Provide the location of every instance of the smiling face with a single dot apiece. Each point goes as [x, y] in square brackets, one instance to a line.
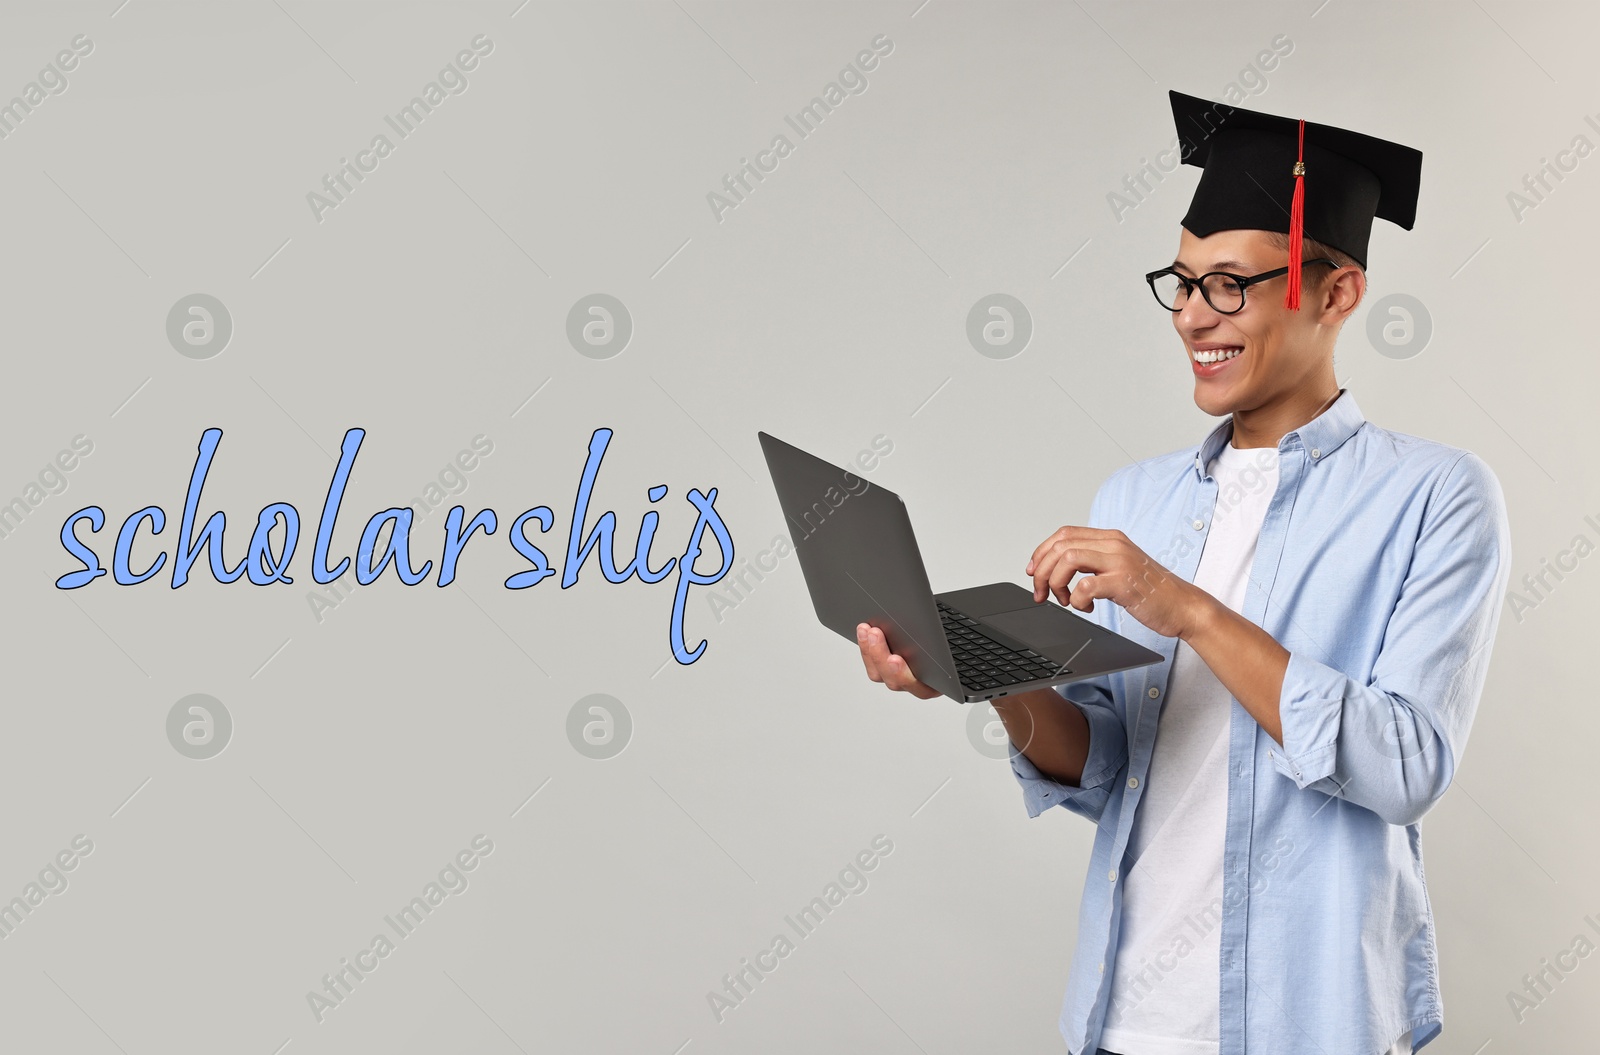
[1265, 355]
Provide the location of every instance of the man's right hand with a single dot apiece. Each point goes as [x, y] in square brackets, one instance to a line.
[1049, 729]
[888, 668]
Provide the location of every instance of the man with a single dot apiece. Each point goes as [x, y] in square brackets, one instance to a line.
[1326, 593]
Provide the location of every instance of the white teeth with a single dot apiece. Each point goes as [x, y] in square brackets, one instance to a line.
[1216, 356]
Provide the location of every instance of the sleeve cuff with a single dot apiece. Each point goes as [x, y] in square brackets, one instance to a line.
[1089, 796]
[1309, 710]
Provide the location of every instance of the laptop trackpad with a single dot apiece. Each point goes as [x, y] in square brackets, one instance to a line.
[1042, 626]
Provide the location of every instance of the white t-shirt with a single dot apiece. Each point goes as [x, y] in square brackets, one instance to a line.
[1165, 985]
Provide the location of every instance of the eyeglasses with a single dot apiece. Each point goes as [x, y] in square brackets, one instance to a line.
[1223, 290]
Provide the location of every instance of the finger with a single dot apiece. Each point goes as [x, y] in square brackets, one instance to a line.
[1085, 590]
[1043, 548]
[1043, 566]
[869, 652]
[1060, 565]
[1071, 533]
[895, 671]
[901, 679]
[883, 665]
[1082, 557]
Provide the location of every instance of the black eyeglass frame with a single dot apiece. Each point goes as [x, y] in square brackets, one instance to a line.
[1244, 282]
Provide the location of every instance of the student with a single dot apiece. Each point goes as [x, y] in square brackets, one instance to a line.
[1326, 592]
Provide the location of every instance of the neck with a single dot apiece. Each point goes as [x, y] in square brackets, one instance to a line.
[1267, 424]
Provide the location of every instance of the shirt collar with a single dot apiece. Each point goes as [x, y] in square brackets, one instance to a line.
[1320, 436]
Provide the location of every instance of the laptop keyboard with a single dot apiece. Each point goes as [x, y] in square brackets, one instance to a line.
[984, 663]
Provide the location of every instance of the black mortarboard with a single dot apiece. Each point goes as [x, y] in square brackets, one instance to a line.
[1251, 179]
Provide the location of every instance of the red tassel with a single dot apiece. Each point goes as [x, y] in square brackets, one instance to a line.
[1297, 210]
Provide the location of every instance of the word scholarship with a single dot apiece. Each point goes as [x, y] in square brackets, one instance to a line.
[386, 540]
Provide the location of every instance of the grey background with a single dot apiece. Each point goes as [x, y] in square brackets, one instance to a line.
[830, 307]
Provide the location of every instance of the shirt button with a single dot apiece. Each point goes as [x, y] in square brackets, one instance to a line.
[1198, 524]
[1154, 692]
[1271, 755]
[1315, 453]
[1102, 967]
[1133, 782]
[1112, 875]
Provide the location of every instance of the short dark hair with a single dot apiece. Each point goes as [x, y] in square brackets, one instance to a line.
[1311, 249]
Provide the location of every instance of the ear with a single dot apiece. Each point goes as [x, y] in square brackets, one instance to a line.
[1340, 295]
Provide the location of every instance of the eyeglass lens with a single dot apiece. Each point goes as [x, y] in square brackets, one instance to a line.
[1222, 292]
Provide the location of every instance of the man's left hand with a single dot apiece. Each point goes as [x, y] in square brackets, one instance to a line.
[1118, 571]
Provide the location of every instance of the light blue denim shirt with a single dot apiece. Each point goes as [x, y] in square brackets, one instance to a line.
[1381, 567]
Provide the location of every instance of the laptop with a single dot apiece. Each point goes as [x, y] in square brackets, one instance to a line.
[862, 565]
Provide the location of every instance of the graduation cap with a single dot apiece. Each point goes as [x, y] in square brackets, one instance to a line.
[1269, 173]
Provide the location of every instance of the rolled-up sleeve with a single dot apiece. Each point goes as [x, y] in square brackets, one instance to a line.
[1108, 753]
[1392, 745]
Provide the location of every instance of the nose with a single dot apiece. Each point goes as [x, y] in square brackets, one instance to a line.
[1197, 314]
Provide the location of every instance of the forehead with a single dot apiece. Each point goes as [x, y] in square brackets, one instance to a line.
[1227, 250]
